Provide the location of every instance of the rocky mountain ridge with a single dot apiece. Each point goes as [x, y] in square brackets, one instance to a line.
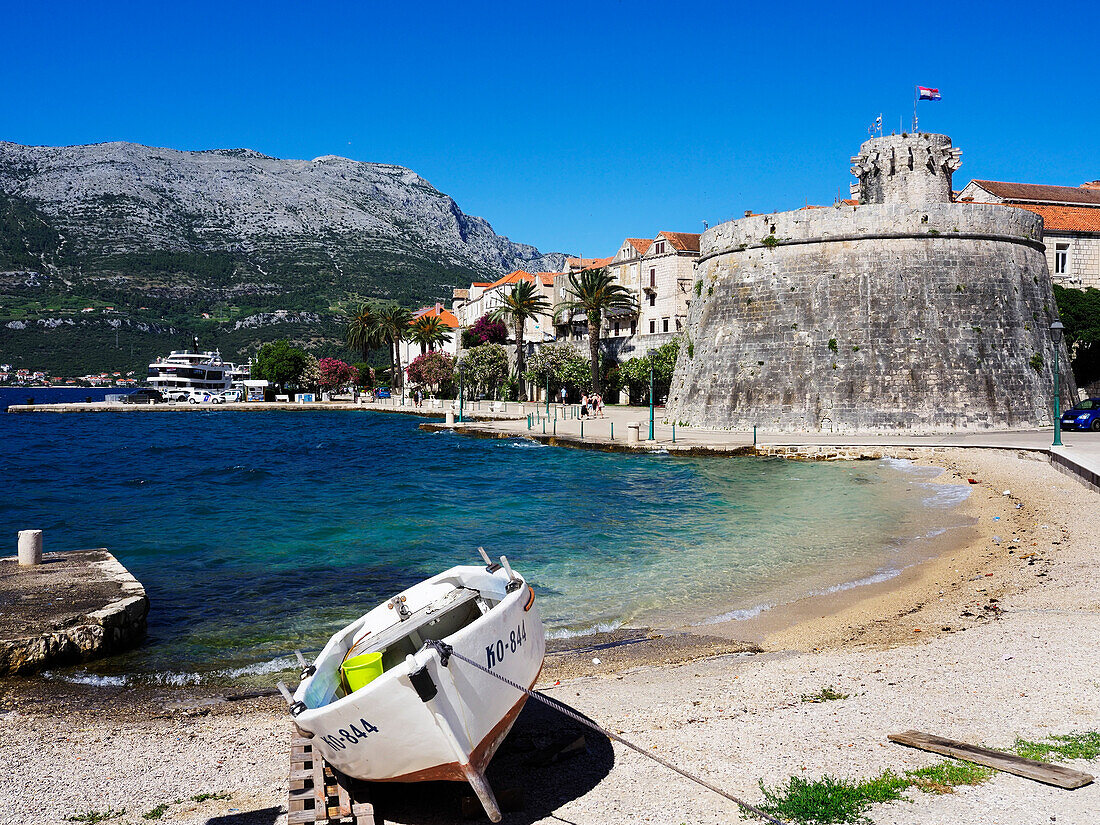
[125, 197]
[227, 240]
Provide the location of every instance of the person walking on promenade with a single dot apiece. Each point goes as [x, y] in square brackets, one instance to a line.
[584, 406]
[563, 396]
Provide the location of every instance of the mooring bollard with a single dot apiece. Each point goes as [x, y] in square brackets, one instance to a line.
[450, 418]
[673, 432]
[633, 428]
[30, 548]
[612, 430]
[582, 428]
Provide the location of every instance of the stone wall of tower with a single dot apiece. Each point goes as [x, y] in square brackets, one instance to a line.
[906, 169]
[880, 317]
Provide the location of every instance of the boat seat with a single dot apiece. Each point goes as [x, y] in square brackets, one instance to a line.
[446, 615]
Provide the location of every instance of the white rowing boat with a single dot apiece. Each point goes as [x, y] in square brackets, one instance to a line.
[427, 716]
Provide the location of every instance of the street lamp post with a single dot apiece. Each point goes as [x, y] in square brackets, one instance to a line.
[461, 375]
[1056, 330]
[548, 394]
[651, 400]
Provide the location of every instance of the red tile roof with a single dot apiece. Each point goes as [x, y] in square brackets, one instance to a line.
[1065, 218]
[583, 263]
[682, 241]
[1041, 193]
[641, 244]
[512, 278]
[600, 263]
[445, 315]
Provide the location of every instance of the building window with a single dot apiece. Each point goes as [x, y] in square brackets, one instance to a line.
[1061, 258]
[659, 248]
[664, 325]
[616, 329]
[652, 300]
[652, 326]
[633, 327]
[653, 278]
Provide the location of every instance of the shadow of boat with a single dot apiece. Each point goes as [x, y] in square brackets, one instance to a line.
[547, 761]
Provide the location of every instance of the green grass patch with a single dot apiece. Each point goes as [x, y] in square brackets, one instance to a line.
[97, 816]
[203, 797]
[1070, 746]
[157, 812]
[945, 776]
[829, 801]
[826, 694]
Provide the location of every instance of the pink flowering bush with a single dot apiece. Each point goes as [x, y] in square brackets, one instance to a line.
[334, 373]
[432, 369]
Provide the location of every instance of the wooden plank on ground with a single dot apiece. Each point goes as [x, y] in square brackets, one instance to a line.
[1058, 775]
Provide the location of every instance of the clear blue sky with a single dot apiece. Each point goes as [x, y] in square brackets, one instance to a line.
[570, 125]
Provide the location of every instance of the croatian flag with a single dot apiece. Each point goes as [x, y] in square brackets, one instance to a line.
[928, 94]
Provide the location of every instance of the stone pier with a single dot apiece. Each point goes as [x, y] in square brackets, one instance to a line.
[70, 608]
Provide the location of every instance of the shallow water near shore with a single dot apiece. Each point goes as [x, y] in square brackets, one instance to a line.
[256, 533]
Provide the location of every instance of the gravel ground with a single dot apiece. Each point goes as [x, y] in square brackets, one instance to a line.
[995, 657]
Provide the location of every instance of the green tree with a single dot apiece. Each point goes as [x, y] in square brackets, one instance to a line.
[484, 368]
[429, 331]
[563, 364]
[635, 371]
[279, 363]
[363, 332]
[522, 303]
[593, 292]
[393, 325]
[1079, 310]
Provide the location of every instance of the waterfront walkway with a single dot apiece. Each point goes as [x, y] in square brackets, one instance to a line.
[1079, 453]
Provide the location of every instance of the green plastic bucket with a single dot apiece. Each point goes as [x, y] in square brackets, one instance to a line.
[362, 670]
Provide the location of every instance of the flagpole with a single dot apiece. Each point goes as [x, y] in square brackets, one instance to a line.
[916, 92]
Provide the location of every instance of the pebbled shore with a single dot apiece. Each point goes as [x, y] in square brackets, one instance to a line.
[945, 647]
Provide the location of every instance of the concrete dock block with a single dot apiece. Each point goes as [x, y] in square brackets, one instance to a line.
[30, 547]
[633, 429]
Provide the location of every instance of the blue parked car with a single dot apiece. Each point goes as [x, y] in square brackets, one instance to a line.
[382, 392]
[1085, 416]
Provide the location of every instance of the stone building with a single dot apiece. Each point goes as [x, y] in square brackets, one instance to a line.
[658, 272]
[904, 312]
[483, 297]
[1071, 223]
[411, 350]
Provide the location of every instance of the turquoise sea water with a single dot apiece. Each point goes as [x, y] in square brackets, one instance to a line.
[256, 533]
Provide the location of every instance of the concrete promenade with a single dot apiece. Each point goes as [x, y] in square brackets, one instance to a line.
[1079, 453]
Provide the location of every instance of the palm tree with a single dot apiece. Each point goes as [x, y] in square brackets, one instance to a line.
[393, 324]
[521, 303]
[429, 331]
[363, 333]
[593, 292]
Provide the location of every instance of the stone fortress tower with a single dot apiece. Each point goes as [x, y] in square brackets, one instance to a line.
[904, 312]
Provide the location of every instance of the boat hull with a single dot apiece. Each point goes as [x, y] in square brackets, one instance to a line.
[386, 731]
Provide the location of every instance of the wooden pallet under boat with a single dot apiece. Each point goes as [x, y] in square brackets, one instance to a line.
[320, 793]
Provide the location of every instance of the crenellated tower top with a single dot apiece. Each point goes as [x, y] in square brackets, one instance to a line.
[912, 169]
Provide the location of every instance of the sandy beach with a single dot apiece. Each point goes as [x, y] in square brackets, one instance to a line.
[993, 639]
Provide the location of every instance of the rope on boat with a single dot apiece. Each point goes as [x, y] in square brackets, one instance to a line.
[446, 651]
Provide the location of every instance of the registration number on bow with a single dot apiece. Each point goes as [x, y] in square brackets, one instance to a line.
[498, 651]
[350, 735]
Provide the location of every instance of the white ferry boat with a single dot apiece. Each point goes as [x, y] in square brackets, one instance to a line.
[182, 371]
